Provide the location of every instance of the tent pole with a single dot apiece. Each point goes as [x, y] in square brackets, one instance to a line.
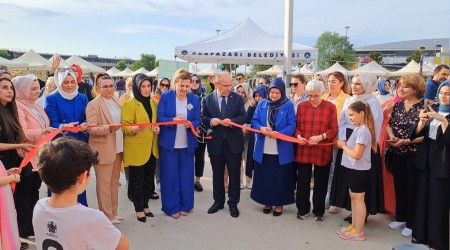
[288, 22]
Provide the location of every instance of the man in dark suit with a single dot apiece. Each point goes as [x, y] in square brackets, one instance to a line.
[227, 143]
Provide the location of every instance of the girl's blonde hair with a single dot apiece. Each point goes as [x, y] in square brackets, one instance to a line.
[359, 107]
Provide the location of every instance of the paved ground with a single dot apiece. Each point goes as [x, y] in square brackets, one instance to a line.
[252, 230]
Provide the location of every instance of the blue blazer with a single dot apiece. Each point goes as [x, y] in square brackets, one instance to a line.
[63, 111]
[285, 124]
[167, 111]
[235, 112]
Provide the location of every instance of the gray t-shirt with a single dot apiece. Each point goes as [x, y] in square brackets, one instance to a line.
[361, 135]
[74, 227]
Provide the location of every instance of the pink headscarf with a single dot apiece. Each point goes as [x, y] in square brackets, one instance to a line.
[23, 84]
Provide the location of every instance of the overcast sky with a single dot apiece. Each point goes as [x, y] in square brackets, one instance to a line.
[127, 28]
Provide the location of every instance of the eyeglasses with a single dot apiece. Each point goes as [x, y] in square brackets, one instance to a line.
[164, 85]
[195, 81]
[225, 86]
[238, 78]
[293, 84]
[403, 87]
[111, 86]
[313, 96]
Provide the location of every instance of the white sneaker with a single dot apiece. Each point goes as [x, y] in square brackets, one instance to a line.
[396, 225]
[249, 185]
[242, 185]
[406, 232]
[118, 217]
[334, 210]
[115, 221]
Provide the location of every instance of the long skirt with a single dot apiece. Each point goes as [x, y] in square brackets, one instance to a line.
[273, 184]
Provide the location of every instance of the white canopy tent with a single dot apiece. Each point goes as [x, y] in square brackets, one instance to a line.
[372, 67]
[193, 69]
[86, 66]
[141, 70]
[112, 71]
[211, 70]
[154, 72]
[334, 67]
[124, 72]
[413, 67]
[62, 63]
[304, 70]
[12, 65]
[246, 43]
[274, 70]
[34, 61]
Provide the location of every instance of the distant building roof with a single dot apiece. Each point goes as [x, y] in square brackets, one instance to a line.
[430, 44]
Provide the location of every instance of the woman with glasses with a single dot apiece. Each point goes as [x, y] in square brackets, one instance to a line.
[297, 85]
[140, 145]
[363, 86]
[67, 107]
[338, 93]
[316, 123]
[177, 145]
[273, 181]
[108, 142]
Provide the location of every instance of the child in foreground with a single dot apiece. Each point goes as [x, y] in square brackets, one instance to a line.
[356, 157]
[60, 222]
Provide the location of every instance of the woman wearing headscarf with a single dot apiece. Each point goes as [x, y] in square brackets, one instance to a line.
[108, 142]
[83, 87]
[140, 149]
[49, 87]
[383, 90]
[67, 107]
[259, 94]
[363, 85]
[177, 145]
[273, 182]
[316, 122]
[432, 190]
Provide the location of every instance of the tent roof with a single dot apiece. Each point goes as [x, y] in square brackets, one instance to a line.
[413, 67]
[154, 72]
[304, 70]
[141, 70]
[62, 63]
[211, 70]
[274, 70]
[334, 67]
[193, 69]
[86, 66]
[124, 72]
[13, 65]
[372, 67]
[246, 43]
[112, 71]
[34, 61]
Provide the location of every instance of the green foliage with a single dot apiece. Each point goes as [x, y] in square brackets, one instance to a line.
[257, 68]
[415, 56]
[376, 56]
[228, 67]
[148, 61]
[5, 54]
[334, 48]
[121, 65]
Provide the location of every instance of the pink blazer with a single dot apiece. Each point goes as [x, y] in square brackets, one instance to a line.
[100, 138]
[32, 126]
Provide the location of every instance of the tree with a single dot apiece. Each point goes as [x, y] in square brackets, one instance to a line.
[376, 56]
[334, 48]
[228, 67]
[148, 61]
[5, 54]
[257, 68]
[415, 56]
[121, 65]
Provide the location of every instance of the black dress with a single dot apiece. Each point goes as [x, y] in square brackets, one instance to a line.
[431, 211]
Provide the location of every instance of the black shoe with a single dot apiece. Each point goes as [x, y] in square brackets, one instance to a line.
[154, 196]
[267, 210]
[149, 214]
[141, 219]
[198, 187]
[24, 245]
[215, 207]
[348, 219]
[234, 212]
[277, 213]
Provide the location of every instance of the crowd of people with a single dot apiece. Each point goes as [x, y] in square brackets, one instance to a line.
[355, 146]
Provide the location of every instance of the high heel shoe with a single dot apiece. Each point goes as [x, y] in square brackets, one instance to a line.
[149, 214]
[141, 219]
[267, 209]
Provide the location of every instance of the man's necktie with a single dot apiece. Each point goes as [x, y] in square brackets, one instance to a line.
[223, 107]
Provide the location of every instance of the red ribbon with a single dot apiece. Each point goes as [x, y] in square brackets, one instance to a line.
[278, 135]
[48, 137]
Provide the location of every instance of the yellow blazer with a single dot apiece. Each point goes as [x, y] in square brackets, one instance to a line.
[100, 138]
[138, 147]
[340, 100]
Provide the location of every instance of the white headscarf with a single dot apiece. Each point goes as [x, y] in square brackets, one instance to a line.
[368, 82]
[60, 76]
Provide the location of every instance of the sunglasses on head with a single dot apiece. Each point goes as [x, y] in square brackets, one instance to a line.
[66, 69]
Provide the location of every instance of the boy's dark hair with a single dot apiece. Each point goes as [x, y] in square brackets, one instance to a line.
[62, 161]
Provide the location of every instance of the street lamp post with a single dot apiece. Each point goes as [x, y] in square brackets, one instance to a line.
[421, 50]
[346, 30]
